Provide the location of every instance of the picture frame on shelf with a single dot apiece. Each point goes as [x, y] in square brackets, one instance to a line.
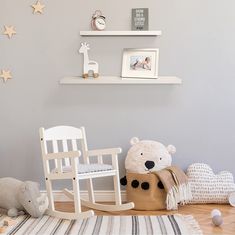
[140, 63]
[140, 19]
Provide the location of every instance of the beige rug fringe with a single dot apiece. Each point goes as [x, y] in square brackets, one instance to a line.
[193, 225]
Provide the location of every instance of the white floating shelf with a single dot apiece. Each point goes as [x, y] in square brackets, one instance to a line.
[105, 80]
[121, 33]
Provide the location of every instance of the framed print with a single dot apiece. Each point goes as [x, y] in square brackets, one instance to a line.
[140, 19]
[140, 63]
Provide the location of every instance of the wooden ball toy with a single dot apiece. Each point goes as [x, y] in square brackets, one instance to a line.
[215, 212]
[8, 222]
[216, 216]
[3, 229]
[217, 220]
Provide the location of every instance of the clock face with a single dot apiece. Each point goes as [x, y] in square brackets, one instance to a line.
[100, 23]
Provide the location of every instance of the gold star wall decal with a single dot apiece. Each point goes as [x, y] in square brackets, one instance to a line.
[5, 75]
[9, 31]
[38, 7]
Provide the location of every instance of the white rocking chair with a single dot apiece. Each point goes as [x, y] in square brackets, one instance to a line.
[67, 166]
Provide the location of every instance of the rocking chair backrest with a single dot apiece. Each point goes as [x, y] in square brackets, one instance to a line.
[63, 134]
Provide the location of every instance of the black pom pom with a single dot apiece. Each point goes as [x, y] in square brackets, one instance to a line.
[123, 181]
[160, 185]
[145, 185]
[135, 183]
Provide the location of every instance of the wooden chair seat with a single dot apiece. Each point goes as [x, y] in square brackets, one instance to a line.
[86, 168]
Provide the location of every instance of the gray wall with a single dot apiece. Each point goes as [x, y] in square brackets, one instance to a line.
[197, 117]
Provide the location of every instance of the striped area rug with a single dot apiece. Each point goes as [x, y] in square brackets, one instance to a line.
[124, 225]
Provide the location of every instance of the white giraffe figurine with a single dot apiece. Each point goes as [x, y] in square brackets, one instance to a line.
[88, 65]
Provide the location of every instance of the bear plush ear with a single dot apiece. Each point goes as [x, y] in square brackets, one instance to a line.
[171, 149]
[134, 140]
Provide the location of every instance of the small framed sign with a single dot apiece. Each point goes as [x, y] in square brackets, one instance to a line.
[140, 19]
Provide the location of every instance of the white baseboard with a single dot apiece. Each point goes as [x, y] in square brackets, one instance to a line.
[100, 196]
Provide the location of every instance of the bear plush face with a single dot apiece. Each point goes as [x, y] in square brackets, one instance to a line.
[147, 156]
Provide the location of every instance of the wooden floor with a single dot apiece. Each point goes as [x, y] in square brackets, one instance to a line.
[200, 212]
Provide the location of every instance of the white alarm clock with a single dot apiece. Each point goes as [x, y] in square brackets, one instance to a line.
[98, 21]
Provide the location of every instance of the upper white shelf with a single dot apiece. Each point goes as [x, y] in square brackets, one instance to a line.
[121, 33]
[104, 80]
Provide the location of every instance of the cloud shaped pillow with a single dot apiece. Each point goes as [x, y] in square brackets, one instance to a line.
[208, 187]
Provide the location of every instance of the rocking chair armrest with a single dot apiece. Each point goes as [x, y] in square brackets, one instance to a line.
[61, 155]
[103, 152]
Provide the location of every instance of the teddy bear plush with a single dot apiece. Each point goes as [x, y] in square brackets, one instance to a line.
[143, 160]
[147, 156]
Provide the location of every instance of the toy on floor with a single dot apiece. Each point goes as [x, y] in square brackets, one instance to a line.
[18, 197]
[208, 187]
[216, 217]
[152, 183]
[6, 223]
[3, 229]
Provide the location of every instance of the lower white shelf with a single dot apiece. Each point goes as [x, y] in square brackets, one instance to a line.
[105, 80]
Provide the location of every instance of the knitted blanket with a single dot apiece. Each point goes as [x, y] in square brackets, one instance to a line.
[176, 186]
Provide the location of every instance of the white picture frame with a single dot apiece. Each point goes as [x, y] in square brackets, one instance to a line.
[140, 63]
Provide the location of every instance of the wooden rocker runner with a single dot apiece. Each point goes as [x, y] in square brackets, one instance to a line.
[64, 164]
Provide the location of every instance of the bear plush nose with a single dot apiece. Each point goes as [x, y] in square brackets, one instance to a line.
[149, 164]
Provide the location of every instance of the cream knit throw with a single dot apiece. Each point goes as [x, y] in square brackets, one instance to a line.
[176, 185]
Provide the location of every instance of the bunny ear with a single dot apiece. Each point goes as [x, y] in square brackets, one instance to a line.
[134, 140]
[171, 149]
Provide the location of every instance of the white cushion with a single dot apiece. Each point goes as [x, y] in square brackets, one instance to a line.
[207, 187]
[86, 168]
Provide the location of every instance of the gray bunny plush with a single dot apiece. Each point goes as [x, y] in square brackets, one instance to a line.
[19, 197]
